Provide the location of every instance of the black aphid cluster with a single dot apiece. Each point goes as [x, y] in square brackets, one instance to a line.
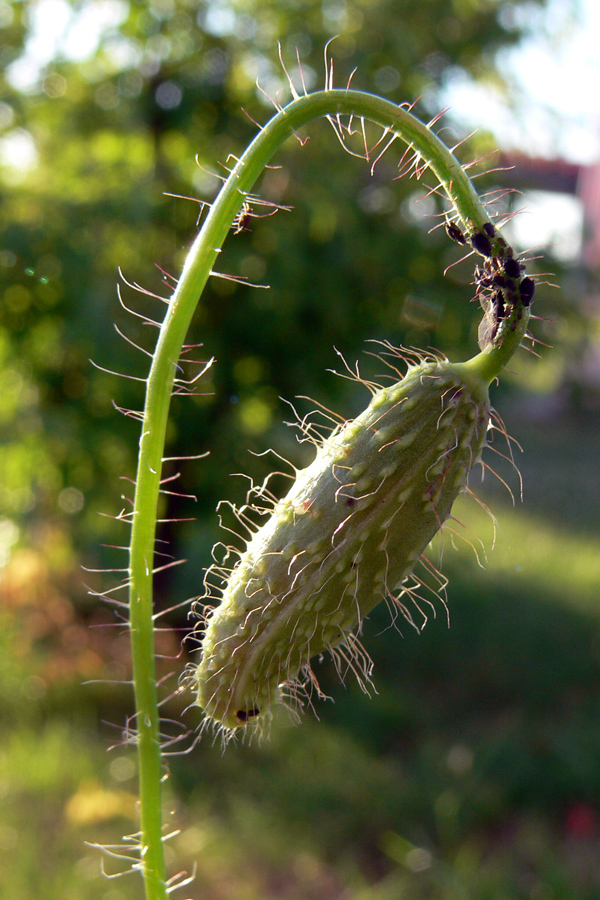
[501, 287]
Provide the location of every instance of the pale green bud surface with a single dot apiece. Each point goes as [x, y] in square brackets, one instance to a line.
[346, 536]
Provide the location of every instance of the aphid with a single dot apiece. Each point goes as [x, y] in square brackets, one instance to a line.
[527, 290]
[489, 229]
[483, 279]
[493, 314]
[242, 220]
[481, 243]
[454, 232]
[512, 267]
[243, 715]
[311, 573]
[498, 301]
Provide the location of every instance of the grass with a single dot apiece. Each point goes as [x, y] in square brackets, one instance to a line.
[473, 773]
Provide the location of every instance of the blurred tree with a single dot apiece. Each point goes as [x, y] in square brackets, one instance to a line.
[110, 106]
[106, 108]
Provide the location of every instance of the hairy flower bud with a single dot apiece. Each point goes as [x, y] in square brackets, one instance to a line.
[347, 535]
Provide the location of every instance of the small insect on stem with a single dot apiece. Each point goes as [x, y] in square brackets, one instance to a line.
[481, 243]
[527, 290]
[242, 220]
[454, 233]
[494, 311]
[512, 267]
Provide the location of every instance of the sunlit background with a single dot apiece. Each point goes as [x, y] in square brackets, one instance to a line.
[474, 772]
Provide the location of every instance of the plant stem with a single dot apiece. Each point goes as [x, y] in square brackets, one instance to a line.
[196, 271]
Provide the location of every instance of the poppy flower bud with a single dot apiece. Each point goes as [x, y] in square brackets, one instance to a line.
[347, 536]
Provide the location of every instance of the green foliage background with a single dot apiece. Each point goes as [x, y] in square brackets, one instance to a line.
[474, 772]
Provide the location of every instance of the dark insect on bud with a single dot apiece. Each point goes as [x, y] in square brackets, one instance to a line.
[527, 290]
[243, 715]
[481, 243]
[454, 233]
[512, 267]
[500, 281]
[489, 229]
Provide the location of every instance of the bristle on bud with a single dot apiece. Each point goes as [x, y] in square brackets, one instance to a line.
[347, 535]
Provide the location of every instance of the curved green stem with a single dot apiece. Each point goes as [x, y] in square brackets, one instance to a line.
[488, 364]
[198, 266]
